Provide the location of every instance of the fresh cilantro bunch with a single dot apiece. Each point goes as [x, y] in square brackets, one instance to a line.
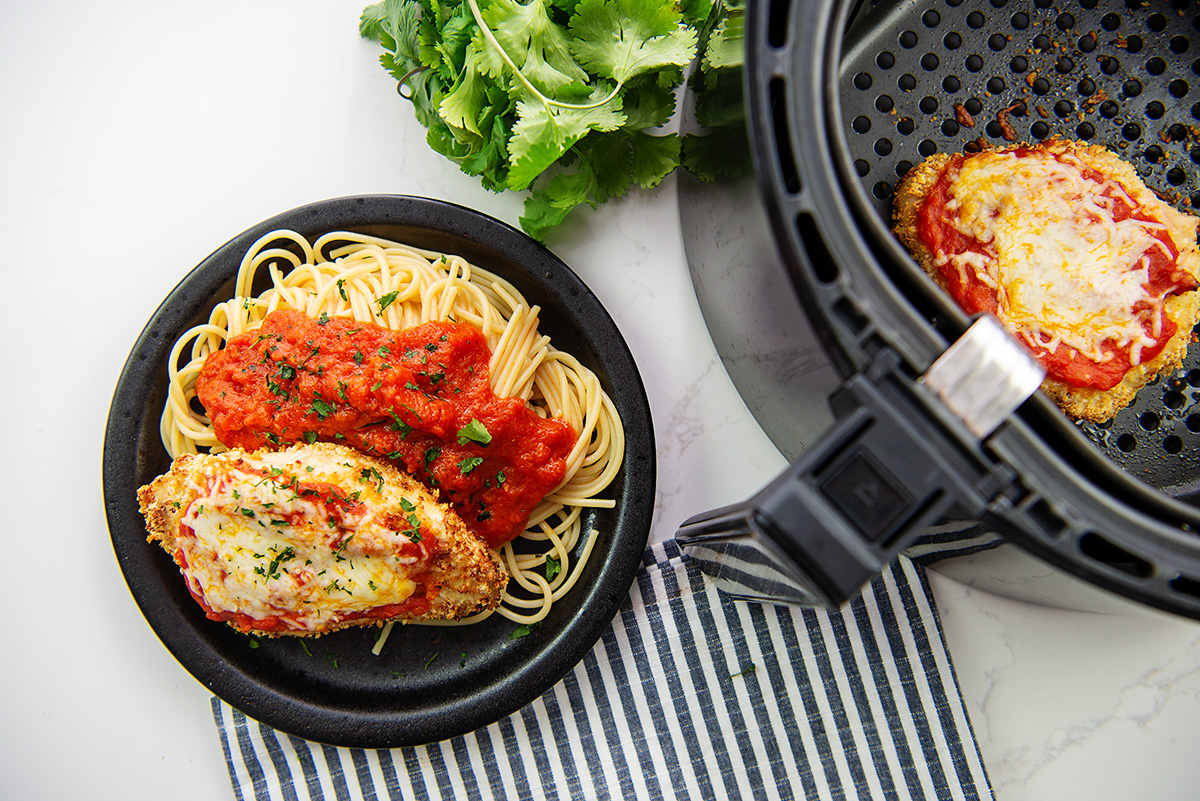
[558, 97]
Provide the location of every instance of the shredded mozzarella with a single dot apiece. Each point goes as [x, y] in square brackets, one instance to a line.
[262, 549]
[1065, 270]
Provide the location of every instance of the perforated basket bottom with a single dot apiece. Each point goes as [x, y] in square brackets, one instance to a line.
[952, 75]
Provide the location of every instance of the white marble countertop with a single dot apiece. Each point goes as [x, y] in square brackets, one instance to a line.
[137, 137]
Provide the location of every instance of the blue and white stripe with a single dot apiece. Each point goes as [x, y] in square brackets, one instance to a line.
[688, 695]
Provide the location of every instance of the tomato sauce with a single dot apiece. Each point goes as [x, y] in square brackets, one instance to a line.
[410, 396]
[1064, 363]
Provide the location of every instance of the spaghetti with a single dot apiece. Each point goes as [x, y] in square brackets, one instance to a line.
[398, 286]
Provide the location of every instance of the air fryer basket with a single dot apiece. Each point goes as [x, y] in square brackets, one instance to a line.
[841, 99]
[954, 75]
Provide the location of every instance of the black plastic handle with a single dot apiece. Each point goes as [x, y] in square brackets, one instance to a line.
[885, 472]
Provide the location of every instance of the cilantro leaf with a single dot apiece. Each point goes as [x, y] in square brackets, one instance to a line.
[541, 216]
[546, 207]
[723, 149]
[372, 21]
[532, 159]
[646, 104]
[474, 431]
[724, 153]
[488, 160]
[537, 46]
[544, 133]
[395, 24]
[468, 464]
[463, 104]
[725, 45]
[654, 157]
[619, 39]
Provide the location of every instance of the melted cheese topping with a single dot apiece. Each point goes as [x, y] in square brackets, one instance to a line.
[1065, 271]
[264, 546]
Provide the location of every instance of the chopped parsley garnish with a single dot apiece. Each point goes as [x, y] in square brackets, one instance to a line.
[387, 300]
[474, 431]
[271, 571]
[398, 424]
[414, 522]
[430, 455]
[523, 631]
[322, 408]
[285, 373]
[341, 547]
[553, 568]
[470, 463]
[371, 474]
[335, 585]
[314, 350]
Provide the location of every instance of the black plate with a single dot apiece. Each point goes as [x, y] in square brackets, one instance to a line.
[429, 683]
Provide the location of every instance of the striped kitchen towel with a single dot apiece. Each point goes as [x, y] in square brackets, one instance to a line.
[688, 695]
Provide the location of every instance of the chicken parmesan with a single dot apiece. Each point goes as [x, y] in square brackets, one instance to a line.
[1074, 254]
[314, 538]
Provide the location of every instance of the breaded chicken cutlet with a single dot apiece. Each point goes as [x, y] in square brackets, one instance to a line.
[315, 538]
[1075, 255]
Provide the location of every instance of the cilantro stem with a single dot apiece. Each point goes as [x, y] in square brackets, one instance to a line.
[495, 43]
[403, 82]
